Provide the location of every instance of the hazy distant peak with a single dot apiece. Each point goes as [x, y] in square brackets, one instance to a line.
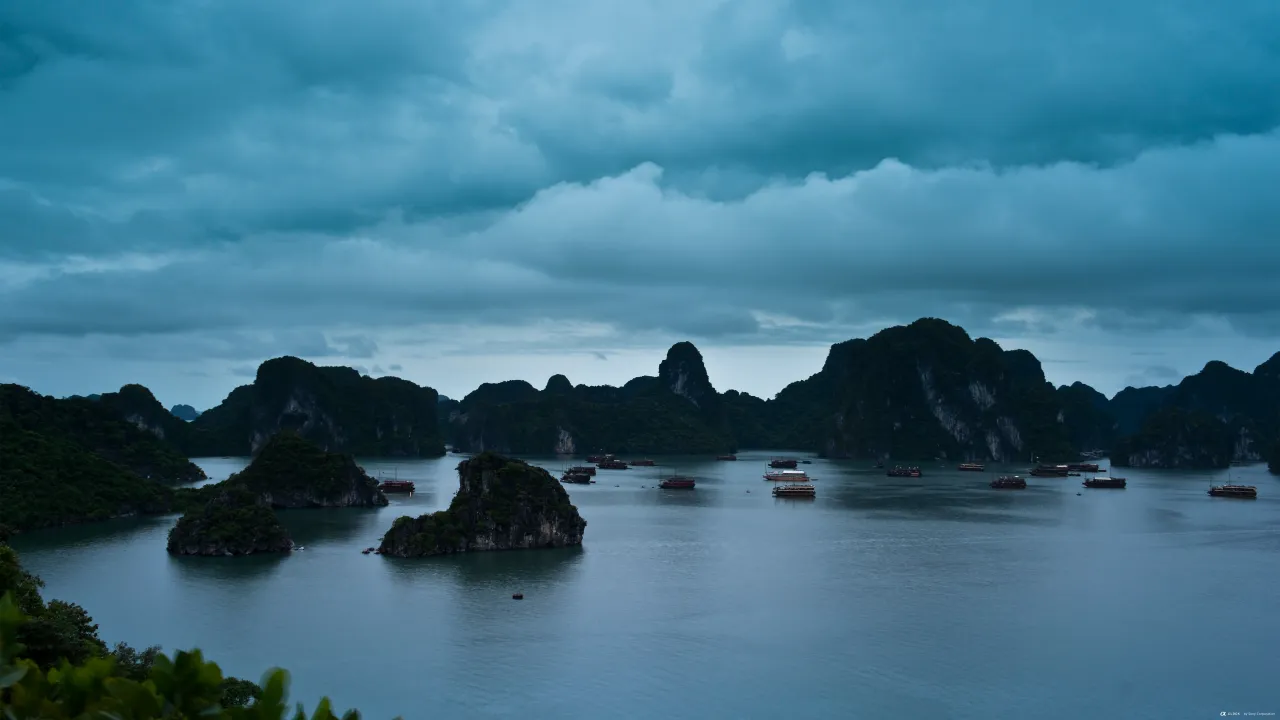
[184, 412]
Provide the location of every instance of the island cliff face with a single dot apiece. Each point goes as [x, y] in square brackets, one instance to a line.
[501, 504]
[335, 407]
[140, 408]
[234, 522]
[292, 472]
[1208, 420]
[916, 392]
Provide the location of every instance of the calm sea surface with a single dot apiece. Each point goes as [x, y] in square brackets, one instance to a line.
[882, 598]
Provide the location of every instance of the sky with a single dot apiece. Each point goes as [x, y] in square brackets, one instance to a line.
[469, 191]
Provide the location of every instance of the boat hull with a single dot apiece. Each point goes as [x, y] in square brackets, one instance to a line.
[1240, 493]
[803, 492]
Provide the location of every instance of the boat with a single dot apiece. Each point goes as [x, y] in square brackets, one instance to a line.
[574, 478]
[726, 457]
[642, 463]
[517, 596]
[366, 551]
[1102, 481]
[1009, 482]
[973, 467]
[899, 471]
[879, 466]
[612, 465]
[1049, 471]
[806, 462]
[1248, 492]
[599, 458]
[1083, 467]
[787, 475]
[582, 469]
[782, 463]
[795, 491]
[677, 482]
[396, 486]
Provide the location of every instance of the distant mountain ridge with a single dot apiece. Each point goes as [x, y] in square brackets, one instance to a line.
[920, 391]
[916, 392]
[676, 412]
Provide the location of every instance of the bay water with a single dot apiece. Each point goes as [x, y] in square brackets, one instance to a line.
[935, 597]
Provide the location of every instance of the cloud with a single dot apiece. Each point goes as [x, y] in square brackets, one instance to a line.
[340, 181]
[819, 253]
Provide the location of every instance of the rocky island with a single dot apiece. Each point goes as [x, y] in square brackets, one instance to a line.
[236, 516]
[337, 408]
[235, 522]
[292, 472]
[501, 504]
[1218, 416]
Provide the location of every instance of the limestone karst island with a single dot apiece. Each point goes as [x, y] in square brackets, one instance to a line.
[583, 360]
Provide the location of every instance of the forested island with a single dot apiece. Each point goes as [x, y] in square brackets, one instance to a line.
[501, 504]
[75, 460]
[234, 521]
[237, 516]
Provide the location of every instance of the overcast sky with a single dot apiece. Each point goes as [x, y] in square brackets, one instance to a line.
[476, 190]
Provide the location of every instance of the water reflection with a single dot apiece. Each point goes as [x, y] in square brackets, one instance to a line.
[538, 568]
[223, 571]
[74, 538]
[314, 526]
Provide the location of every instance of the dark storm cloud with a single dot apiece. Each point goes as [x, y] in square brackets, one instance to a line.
[757, 171]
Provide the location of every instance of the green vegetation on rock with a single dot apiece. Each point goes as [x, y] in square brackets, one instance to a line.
[501, 504]
[1087, 417]
[292, 472]
[335, 407]
[71, 461]
[139, 407]
[97, 428]
[234, 522]
[1177, 438]
[1218, 415]
[677, 412]
[914, 393]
